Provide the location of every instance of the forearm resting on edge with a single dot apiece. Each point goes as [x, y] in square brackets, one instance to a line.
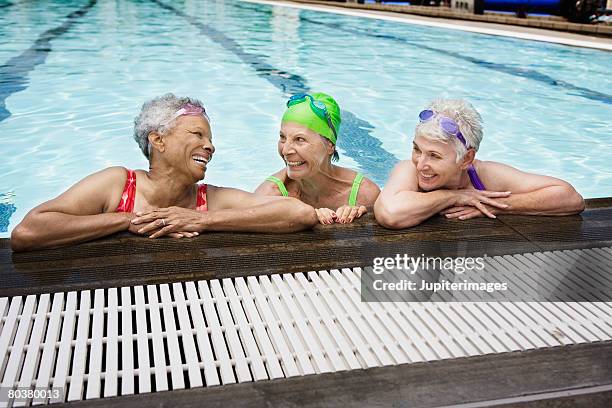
[281, 215]
[552, 200]
[41, 230]
[409, 208]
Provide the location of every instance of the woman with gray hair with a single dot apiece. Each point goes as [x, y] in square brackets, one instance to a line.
[175, 136]
[444, 177]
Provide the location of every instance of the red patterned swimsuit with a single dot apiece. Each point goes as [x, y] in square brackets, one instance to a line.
[126, 204]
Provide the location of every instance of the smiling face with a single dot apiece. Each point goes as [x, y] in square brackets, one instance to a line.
[189, 145]
[304, 151]
[436, 164]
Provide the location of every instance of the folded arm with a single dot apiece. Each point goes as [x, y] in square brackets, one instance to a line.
[401, 205]
[532, 194]
[77, 215]
[232, 210]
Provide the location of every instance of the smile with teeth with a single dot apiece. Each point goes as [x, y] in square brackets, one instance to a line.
[427, 176]
[295, 163]
[202, 160]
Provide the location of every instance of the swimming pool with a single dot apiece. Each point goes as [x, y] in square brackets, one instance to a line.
[74, 74]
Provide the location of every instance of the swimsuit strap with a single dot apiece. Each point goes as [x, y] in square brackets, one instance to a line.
[126, 204]
[476, 182]
[355, 189]
[279, 184]
[201, 204]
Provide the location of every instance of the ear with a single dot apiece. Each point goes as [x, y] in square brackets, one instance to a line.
[329, 146]
[157, 142]
[468, 159]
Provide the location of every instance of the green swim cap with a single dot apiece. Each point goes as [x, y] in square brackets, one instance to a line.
[303, 114]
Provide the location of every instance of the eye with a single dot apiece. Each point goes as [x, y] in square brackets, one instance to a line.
[282, 138]
[416, 149]
[300, 139]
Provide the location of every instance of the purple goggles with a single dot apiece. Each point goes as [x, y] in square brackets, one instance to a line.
[448, 125]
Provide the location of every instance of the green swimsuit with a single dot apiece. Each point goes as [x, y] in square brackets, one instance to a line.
[352, 197]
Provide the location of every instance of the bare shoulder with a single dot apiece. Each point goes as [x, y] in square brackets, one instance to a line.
[220, 198]
[403, 177]
[498, 176]
[368, 192]
[269, 188]
[93, 194]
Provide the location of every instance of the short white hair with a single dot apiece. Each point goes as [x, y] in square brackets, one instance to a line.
[154, 115]
[464, 115]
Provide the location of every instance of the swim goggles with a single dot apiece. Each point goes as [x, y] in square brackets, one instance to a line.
[448, 125]
[187, 109]
[317, 107]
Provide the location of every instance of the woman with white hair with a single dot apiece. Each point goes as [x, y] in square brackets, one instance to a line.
[175, 136]
[444, 177]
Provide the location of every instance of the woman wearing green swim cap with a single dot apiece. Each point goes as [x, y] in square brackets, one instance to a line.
[307, 145]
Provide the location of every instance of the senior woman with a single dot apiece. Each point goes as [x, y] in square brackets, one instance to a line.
[175, 136]
[307, 144]
[444, 177]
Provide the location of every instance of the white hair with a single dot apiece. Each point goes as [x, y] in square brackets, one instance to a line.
[152, 116]
[464, 115]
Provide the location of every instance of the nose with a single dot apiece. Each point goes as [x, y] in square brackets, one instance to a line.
[209, 147]
[287, 149]
[422, 162]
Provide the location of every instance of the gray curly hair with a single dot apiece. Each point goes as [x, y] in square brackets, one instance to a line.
[464, 115]
[153, 115]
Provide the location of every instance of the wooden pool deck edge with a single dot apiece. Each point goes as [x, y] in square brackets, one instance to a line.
[569, 376]
[127, 260]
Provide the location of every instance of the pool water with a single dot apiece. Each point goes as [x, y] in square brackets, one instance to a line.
[74, 74]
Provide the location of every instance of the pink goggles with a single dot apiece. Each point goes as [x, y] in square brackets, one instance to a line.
[187, 109]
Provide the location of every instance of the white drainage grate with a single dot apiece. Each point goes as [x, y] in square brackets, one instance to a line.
[119, 341]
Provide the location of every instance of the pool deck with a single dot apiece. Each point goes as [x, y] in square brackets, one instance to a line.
[568, 376]
[538, 29]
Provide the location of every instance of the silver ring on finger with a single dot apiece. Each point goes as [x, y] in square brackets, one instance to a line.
[163, 222]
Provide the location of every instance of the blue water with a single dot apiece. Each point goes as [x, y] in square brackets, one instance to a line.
[73, 75]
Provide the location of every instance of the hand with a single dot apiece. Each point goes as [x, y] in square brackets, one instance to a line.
[348, 213]
[466, 212]
[176, 222]
[477, 199]
[133, 228]
[326, 216]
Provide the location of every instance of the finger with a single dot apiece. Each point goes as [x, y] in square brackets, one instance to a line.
[494, 203]
[459, 214]
[362, 210]
[151, 226]
[346, 211]
[496, 193]
[451, 210]
[148, 217]
[330, 216]
[175, 235]
[485, 211]
[473, 214]
[339, 213]
[327, 215]
[353, 214]
[166, 230]
[321, 217]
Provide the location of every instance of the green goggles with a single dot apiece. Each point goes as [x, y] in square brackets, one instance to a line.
[317, 107]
